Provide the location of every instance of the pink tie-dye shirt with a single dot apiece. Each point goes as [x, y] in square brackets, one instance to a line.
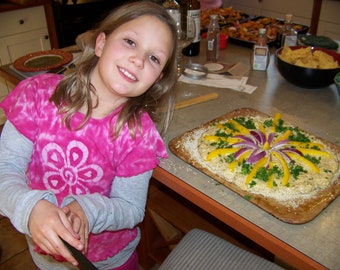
[83, 161]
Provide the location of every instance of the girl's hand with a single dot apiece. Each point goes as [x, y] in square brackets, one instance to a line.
[47, 223]
[79, 221]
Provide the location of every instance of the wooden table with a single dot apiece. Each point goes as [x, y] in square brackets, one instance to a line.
[314, 245]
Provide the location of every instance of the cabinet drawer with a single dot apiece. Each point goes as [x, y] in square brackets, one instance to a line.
[22, 20]
[12, 47]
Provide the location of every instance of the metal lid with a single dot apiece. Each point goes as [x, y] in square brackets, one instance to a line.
[195, 71]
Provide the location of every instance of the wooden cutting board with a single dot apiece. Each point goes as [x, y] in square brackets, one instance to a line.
[306, 211]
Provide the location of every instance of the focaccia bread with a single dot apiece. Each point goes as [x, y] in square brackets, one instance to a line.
[277, 166]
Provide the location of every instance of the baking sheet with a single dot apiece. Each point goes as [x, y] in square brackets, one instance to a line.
[307, 209]
[226, 16]
[271, 24]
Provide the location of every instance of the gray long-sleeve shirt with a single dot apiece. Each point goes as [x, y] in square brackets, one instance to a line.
[123, 209]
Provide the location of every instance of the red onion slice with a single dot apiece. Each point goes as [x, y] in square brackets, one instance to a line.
[270, 138]
[245, 144]
[259, 136]
[245, 138]
[240, 152]
[256, 156]
[280, 144]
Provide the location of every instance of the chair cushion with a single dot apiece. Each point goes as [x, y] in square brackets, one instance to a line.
[201, 250]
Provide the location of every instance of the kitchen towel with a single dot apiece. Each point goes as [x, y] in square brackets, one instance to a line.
[220, 81]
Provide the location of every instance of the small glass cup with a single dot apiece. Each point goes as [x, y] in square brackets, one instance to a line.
[186, 36]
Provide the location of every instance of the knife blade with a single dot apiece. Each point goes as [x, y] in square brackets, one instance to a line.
[84, 263]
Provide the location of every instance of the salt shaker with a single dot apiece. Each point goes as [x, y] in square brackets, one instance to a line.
[260, 57]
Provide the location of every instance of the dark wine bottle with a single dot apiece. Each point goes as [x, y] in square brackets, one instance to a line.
[192, 8]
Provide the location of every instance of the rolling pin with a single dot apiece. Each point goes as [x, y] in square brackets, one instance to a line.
[196, 100]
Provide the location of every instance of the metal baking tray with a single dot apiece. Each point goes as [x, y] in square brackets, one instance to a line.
[227, 16]
[249, 37]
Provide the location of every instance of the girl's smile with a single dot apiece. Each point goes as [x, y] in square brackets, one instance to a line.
[127, 74]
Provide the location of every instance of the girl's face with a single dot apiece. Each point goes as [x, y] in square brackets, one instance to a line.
[131, 58]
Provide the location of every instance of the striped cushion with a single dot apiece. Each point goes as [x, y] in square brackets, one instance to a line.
[201, 250]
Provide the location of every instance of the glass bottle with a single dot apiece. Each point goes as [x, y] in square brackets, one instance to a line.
[260, 56]
[173, 8]
[192, 8]
[287, 36]
[213, 37]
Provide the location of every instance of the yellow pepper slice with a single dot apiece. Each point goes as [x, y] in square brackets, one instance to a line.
[306, 144]
[239, 127]
[304, 161]
[213, 138]
[258, 165]
[286, 172]
[314, 152]
[276, 119]
[233, 164]
[282, 137]
[221, 151]
[262, 129]
[220, 126]
[266, 145]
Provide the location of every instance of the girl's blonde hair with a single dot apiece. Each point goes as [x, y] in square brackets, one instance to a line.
[75, 90]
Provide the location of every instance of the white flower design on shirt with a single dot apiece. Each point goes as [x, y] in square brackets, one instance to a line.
[69, 170]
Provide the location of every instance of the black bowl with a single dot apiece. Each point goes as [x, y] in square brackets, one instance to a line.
[307, 77]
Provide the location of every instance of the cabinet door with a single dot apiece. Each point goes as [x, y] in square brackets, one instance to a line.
[22, 20]
[13, 47]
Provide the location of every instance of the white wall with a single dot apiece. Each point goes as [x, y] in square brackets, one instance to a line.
[329, 23]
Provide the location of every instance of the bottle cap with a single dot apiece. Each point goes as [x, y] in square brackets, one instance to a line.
[289, 17]
[213, 16]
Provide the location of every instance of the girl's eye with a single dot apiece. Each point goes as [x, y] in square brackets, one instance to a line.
[130, 42]
[154, 59]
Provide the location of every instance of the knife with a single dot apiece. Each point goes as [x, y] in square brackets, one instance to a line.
[84, 263]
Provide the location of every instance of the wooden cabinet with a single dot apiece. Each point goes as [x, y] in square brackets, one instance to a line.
[26, 31]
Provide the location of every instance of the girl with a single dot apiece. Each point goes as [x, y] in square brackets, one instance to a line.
[210, 4]
[77, 152]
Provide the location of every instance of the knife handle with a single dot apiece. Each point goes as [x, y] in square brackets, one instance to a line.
[84, 263]
[196, 100]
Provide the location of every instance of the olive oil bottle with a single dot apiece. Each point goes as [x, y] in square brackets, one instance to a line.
[287, 36]
[192, 8]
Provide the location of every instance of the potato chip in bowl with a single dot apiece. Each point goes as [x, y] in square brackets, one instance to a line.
[308, 67]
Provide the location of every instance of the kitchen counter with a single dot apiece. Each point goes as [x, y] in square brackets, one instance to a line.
[313, 245]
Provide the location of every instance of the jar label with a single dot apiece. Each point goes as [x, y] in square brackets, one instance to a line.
[196, 15]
